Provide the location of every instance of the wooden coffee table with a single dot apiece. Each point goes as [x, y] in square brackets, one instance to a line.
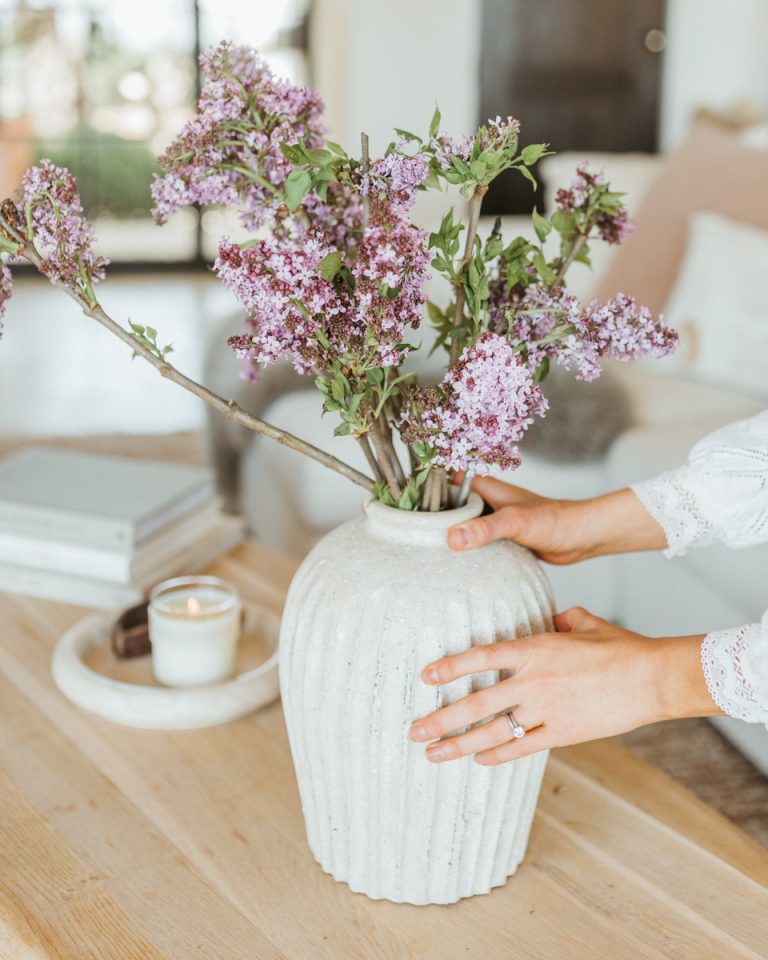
[119, 844]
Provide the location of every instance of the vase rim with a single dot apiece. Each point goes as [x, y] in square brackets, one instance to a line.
[418, 526]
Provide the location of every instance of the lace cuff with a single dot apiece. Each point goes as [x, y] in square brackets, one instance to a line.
[675, 507]
[735, 664]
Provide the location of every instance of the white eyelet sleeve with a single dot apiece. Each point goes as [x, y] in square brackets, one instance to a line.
[721, 496]
[735, 664]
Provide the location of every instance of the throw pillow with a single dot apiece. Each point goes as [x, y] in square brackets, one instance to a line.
[719, 305]
[713, 170]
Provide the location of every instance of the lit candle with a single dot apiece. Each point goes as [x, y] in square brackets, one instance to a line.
[194, 626]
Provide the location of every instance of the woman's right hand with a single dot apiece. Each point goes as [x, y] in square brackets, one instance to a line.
[559, 531]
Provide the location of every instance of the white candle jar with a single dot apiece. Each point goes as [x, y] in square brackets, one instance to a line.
[194, 626]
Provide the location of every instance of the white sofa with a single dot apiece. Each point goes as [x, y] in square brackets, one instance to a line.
[290, 501]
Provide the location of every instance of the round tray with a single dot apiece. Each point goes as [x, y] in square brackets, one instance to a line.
[125, 691]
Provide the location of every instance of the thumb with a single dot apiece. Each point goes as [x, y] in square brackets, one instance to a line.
[482, 530]
[575, 619]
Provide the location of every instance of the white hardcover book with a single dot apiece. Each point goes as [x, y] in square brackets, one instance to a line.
[103, 501]
[90, 592]
[109, 564]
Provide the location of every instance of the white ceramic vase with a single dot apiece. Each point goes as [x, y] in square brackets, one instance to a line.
[372, 604]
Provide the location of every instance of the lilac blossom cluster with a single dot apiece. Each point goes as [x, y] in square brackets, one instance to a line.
[6, 291]
[482, 407]
[230, 152]
[294, 313]
[555, 326]
[52, 214]
[612, 227]
[499, 134]
[395, 177]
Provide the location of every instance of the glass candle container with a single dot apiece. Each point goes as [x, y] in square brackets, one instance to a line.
[194, 626]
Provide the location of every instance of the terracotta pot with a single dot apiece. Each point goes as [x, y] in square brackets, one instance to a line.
[370, 606]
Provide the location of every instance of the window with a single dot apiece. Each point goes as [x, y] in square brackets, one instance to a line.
[103, 86]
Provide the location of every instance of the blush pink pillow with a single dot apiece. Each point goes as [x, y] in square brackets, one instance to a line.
[713, 170]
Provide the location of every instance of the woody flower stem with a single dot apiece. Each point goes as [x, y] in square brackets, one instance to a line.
[228, 407]
[564, 267]
[469, 248]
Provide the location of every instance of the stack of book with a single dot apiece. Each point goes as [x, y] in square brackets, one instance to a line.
[101, 531]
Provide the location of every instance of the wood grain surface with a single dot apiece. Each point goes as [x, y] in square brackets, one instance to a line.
[133, 845]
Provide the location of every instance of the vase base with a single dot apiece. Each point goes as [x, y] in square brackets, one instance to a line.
[416, 901]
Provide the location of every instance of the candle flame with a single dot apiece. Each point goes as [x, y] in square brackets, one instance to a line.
[193, 606]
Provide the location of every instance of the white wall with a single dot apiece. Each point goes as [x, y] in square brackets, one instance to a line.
[386, 63]
[716, 56]
[381, 64]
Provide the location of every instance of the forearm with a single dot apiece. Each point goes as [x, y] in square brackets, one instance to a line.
[618, 522]
[680, 684]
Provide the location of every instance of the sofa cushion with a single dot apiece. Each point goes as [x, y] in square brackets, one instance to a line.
[713, 170]
[719, 304]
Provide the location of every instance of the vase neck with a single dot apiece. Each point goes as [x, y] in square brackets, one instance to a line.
[416, 527]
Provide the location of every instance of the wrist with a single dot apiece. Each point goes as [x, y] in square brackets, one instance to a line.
[618, 522]
[681, 688]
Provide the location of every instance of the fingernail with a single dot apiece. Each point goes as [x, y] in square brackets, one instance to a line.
[483, 761]
[418, 732]
[430, 674]
[460, 536]
[435, 753]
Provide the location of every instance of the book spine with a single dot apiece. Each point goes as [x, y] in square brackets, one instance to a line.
[52, 524]
[68, 558]
[74, 590]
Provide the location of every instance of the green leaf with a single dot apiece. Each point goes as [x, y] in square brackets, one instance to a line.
[407, 135]
[375, 376]
[337, 390]
[319, 157]
[528, 176]
[434, 126]
[335, 148]
[461, 167]
[152, 333]
[541, 225]
[343, 430]
[541, 371]
[478, 169]
[546, 273]
[330, 264]
[564, 223]
[533, 152]
[297, 186]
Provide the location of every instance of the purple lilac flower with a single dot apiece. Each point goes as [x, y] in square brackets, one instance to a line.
[501, 134]
[396, 177]
[612, 227]
[444, 148]
[483, 406]
[390, 270]
[230, 152]
[279, 284]
[52, 212]
[618, 329]
[288, 303]
[6, 291]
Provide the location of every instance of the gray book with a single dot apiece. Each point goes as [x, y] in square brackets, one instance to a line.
[98, 500]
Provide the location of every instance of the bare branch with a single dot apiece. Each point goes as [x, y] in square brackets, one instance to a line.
[229, 408]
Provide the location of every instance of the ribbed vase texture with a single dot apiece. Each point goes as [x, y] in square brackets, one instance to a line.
[370, 606]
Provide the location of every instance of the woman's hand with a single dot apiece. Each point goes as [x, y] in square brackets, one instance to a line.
[559, 531]
[590, 680]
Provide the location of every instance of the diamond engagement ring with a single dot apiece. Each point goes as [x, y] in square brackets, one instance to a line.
[517, 730]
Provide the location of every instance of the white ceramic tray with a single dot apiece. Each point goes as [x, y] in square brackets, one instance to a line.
[124, 691]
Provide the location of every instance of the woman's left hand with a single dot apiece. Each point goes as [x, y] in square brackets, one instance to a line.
[591, 679]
